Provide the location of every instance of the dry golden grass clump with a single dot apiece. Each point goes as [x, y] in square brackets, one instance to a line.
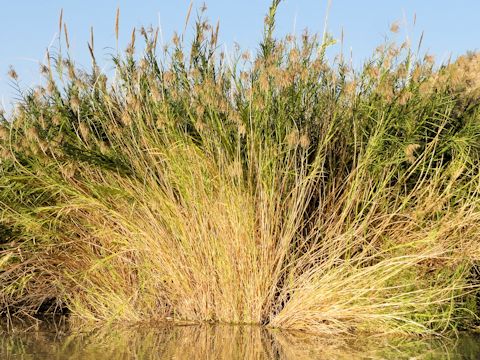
[275, 189]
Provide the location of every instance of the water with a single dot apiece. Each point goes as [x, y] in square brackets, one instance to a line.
[219, 342]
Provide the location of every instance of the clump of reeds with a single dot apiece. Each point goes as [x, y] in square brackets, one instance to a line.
[281, 189]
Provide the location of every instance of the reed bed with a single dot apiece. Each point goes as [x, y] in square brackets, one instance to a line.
[275, 188]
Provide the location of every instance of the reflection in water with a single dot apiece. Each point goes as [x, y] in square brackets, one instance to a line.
[218, 342]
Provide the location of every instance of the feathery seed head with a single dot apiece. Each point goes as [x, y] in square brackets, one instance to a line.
[410, 152]
[4, 133]
[429, 59]
[84, 130]
[405, 97]
[200, 125]
[246, 55]
[32, 134]
[5, 153]
[103, 147]
[242, 130]
[75, 103]
[44, 70]
[176, 39]
[71, 71]
[68, 171]
[143, 64]
[293, 138]
[12, 73]
[304, 141]
[126, 118]
[394, 28]
[264, 82]
[51, 87]
[56, 119]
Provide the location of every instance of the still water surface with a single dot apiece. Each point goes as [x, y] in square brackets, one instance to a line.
[219, 342]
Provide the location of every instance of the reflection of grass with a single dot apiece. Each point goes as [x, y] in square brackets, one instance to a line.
[223, 342]
[279, 190]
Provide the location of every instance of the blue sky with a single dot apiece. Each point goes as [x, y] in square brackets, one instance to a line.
[28, 27]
